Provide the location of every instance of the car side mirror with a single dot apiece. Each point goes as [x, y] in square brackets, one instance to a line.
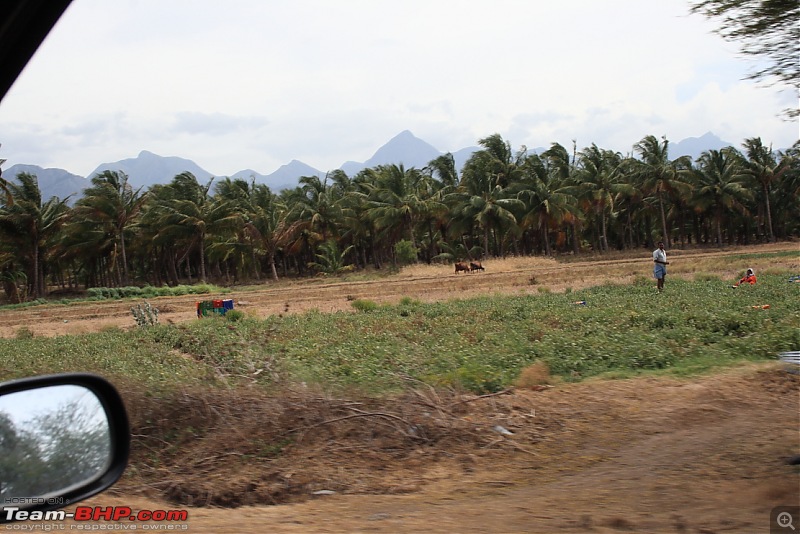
[63, 438]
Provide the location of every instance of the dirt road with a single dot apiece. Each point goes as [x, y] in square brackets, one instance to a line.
[642, 455]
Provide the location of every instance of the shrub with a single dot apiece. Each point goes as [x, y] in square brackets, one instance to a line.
[95, 293]
[235, 315]
[24, 333]
[535, 374]
[405, 252]
[130, 291]
[145, 315]
[479, 378]
[364, 305]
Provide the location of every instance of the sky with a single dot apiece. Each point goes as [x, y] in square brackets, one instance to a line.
[246, 84]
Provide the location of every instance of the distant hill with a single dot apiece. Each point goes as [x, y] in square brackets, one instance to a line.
[461, 156]
[52, 182]
[403, 148]
[284, 178]
[148, 169]
[694, 146]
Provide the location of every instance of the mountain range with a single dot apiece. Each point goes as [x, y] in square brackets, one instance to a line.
[148, 169]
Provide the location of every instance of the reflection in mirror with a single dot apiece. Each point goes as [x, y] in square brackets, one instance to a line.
[51, 439]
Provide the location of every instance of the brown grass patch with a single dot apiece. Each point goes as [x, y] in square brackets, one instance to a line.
[235, 448]
[536, 374]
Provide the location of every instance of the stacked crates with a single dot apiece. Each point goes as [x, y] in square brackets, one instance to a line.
[213, 307]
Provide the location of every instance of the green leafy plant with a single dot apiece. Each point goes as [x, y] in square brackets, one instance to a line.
[364, 305]
[234, 315]
[405, 252]
[145, 315]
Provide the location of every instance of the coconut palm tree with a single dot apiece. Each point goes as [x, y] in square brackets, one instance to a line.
[113, 205]
[600, 179]
[398, 201]
[764, 167]
[444, 169]
[720, 180]
[268, 224]
[316, 203]
[189, 214]
[658, 175]
[562, 172]
[546, 202]
[503, 164]
[481, 200]
[28, 226]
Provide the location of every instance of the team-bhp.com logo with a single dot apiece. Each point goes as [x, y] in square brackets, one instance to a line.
[88, 518]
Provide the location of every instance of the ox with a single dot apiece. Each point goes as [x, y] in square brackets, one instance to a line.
[476, 266]
[462, 266]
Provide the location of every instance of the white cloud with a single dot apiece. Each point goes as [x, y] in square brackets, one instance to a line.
[256, 84]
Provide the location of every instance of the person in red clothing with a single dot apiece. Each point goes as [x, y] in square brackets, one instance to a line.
[748, 278]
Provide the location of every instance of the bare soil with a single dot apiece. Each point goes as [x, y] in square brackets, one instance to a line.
[641, 455]
[701, 455]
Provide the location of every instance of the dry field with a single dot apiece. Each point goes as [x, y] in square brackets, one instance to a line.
[700, 455]
[422, 282]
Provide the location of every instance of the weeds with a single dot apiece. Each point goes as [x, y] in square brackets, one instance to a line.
[145, 315]
[235, 315]
[364, 305]
[24, 332]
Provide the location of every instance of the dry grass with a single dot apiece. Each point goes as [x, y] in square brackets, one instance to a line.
[536, 374]
[244, 447]
[504, 265]
[247, 447]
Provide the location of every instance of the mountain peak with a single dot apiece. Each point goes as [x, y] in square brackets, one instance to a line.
[694, 146]
[404, 134]
[148, 169]
[404, 148]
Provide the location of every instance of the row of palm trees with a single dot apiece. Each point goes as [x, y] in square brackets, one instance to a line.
[502, 202]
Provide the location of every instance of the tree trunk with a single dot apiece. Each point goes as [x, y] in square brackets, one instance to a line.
[272, 267]
[117, 272]
[546, 239]
[172, 268]
[663, 220]
[769, 214]
[37, 287]
[431, 243]
[256, 264]
[576, 238]
[125, 273]
[603, 238]
[202, 258]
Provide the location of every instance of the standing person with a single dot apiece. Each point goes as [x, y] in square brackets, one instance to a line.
[660, 265]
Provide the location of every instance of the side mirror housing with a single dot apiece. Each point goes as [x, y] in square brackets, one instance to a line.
[63, 438]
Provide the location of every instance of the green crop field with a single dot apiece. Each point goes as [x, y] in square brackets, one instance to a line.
[480, 344]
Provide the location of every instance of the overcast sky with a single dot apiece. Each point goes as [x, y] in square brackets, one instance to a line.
[246, 84]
